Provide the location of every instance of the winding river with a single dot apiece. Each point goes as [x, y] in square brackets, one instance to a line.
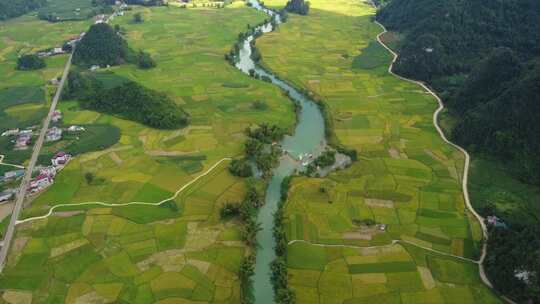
[308, 138]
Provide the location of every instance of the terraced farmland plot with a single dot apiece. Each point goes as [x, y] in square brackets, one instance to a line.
[406, 177]
[133, 254]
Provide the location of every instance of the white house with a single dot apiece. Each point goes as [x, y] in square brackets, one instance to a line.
[5, 195]
[56, 116]
[10, 132]
[54, 134]
[49, 171]
[60, 159]
[75, 128]
[58, 50]
[22, 141]
[40, 182]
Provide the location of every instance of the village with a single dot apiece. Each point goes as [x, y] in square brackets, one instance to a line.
[43, 176]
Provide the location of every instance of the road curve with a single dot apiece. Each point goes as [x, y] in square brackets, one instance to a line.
[481, 270]
[28, 174]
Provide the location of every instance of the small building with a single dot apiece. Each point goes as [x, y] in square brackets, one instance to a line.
[23, 141]
[75, 128]
[60, 159]
[42, 181]
[6, 195]
[26, 132]
[100, 19]
[493, 220]
[54, 81]
[58, 50]
[49, 171]
[381, 227]
[13, 174]
[54, 134]
[94, 68]
[56, 116]
[10, 132]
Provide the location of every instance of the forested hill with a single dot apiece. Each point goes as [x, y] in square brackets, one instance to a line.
[15, 8]
[483, 57]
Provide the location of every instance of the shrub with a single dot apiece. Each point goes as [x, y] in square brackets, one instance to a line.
[144, 61]
[30, 62]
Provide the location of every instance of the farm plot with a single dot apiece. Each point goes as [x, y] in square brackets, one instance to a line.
[406, 184]
[386, 274]
[134, 254]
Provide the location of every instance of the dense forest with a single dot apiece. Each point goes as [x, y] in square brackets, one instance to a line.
[494, 99]
[483, 57]
[15, 8]
[128, 100]
[102, 46]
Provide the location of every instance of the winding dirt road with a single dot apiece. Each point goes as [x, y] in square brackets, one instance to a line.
[480, 261]
[52, 209]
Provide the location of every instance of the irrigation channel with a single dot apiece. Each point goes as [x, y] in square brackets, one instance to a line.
[308, 138]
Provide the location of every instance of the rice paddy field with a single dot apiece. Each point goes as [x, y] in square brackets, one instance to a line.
[179, 252]
[406, 177]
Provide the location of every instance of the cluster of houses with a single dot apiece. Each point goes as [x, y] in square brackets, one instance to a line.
[42, 180]
[46, 175]
[22, 138]
[9, 176]
[51, 52]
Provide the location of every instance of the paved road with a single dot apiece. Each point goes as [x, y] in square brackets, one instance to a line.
[28, 175]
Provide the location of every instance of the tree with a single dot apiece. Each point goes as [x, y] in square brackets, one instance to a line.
[241, 168]
[137, 18]
[300, 7]
[89, 177]
[30, 62]
[144, 61]
[15, 8]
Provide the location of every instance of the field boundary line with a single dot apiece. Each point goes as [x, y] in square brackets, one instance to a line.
[394, 242]
[2, 163]
[52, 209]
[465, 188]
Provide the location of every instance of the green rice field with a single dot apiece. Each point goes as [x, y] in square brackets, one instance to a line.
[406, 177]
[180, 252]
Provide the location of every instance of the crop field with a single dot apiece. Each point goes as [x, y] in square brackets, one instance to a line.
[136, 254]
[387, 274]
[180, 252]
[24, 94]
[406, 177]
[188, 46]
[69, 9]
